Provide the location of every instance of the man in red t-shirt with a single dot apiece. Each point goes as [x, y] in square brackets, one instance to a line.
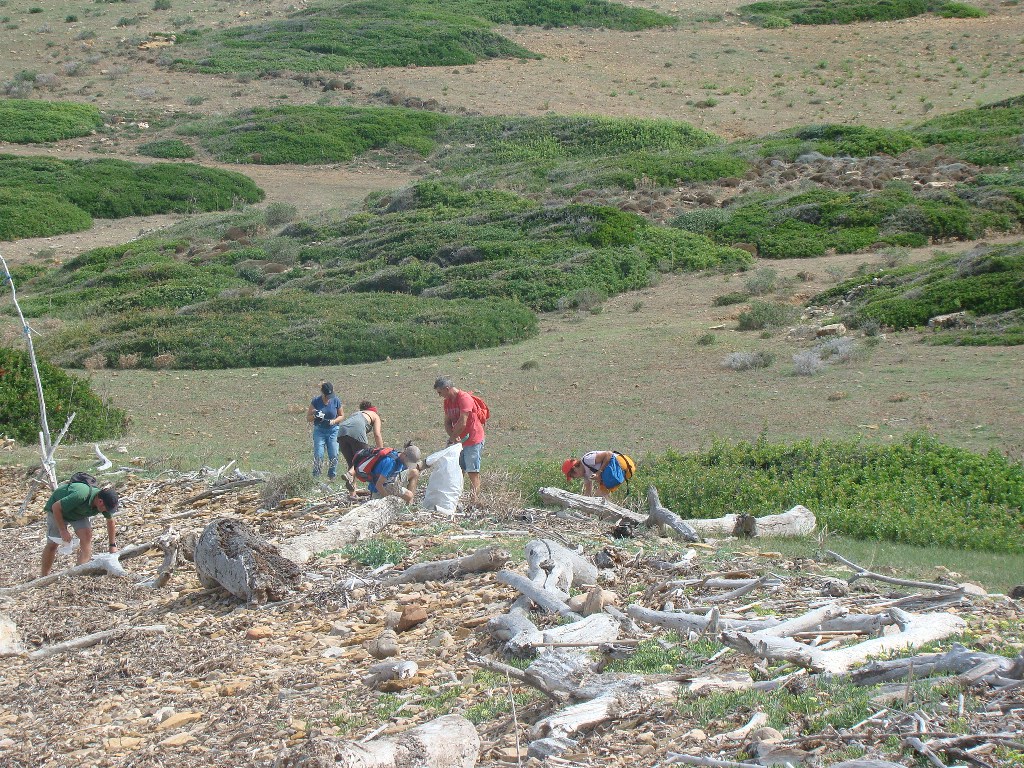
[463, 425]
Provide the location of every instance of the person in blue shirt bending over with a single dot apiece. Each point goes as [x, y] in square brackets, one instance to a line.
[389, 472]
[325, 414]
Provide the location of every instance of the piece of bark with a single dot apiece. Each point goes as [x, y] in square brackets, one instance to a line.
[659, 515]
[10, 639]
[450, 741]
[363, 522]
[920, 630]
[546, 599]
[550, 565]
[483, 560]
[598, 506]
[231, 555]
[87, 641]
[958, 660]
[596, 600]
[685, 623]
[398, 669]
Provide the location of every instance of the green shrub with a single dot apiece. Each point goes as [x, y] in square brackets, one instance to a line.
[27, 122]
[765, 314]
[984, 281]
[64, 393]
[167, 149]
[376, 552]
[916, 490]
[954, 10]
[42, 196]
[727, 299]
[280, 213]
[389, 33]
[834, 11]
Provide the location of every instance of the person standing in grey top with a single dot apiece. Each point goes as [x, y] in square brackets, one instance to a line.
[354, 435]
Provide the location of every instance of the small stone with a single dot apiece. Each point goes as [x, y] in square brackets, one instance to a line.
[411, 616]
[258, 633]
[177, 740]
[121, 744]
[179, 719]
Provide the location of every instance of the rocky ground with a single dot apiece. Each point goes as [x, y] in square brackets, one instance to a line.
[229, 684]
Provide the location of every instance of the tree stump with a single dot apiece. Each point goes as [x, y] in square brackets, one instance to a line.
[229, 554]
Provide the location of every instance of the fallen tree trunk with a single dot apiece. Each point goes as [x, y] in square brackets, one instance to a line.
[230, 555]
[798, 521]
[692, 622]
[918, 630]
[958, 661]
[483, 560]
[363, 522]
[593, 505]
[666, 518]
[450, 741]
[864, 573]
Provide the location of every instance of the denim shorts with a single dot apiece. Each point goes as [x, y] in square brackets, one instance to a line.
[469, 459]
[51, 525]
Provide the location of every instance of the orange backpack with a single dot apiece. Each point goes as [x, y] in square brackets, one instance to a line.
[483, 413]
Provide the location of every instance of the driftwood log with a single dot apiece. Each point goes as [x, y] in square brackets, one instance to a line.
[107, 563]
[363, 522]
[87, 641]
[548, 600]
[552, 566]
[483, 560]
[958, 661]
[598, 506]
[684, 623]
[798, 521]
[231, 555]
[666, 518]
[398, 669]
[768, 644]
[447, 742]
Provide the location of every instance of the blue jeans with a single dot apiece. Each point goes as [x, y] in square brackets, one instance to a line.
[325, 436]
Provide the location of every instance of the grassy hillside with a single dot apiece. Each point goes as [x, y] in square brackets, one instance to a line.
[987, 282]
[425, 271]
[42, 196]
[389, 33]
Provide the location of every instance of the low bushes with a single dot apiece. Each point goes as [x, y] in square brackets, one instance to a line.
[24, 121]
[389, 33]
[984, 281]
[314, 134]
[167, 149]
[64, 393]
[42, 196]
[776, 13]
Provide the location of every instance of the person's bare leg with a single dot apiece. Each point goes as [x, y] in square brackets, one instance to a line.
[49, 554]
[85, 550]
[474, 487]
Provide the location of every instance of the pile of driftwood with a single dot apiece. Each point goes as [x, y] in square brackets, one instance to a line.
[564, 613]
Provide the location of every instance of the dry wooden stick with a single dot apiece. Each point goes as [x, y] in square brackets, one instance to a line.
[108, 563]
[707, 762]
[863, 573]
[88, 641]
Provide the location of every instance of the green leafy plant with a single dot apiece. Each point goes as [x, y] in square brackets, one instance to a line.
[376, 552]
[167, 149]
[23, 121]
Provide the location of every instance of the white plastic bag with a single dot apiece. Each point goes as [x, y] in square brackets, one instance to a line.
[65, 547]
[444, 488]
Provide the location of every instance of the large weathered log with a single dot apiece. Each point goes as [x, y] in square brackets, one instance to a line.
[659, 515]
[546, 599]
[450, 741]
[958, 660]
[618, 700]
[685, 623]
[363, 522]
[483, 560]
[918, 631]
[810, 620]
[598, 506]
[798, 521]
[10, 639]
[597, 629]
[716, 527]
[550, 565]
[231, 555]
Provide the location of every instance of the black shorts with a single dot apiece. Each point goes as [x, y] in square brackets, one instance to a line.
[349, 447]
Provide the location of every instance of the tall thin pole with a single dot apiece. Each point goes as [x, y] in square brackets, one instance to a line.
[45, 433]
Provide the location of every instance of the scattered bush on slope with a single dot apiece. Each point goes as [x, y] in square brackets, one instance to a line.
[25, 121]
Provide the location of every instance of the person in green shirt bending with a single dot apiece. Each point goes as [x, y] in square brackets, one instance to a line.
[73, 504]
